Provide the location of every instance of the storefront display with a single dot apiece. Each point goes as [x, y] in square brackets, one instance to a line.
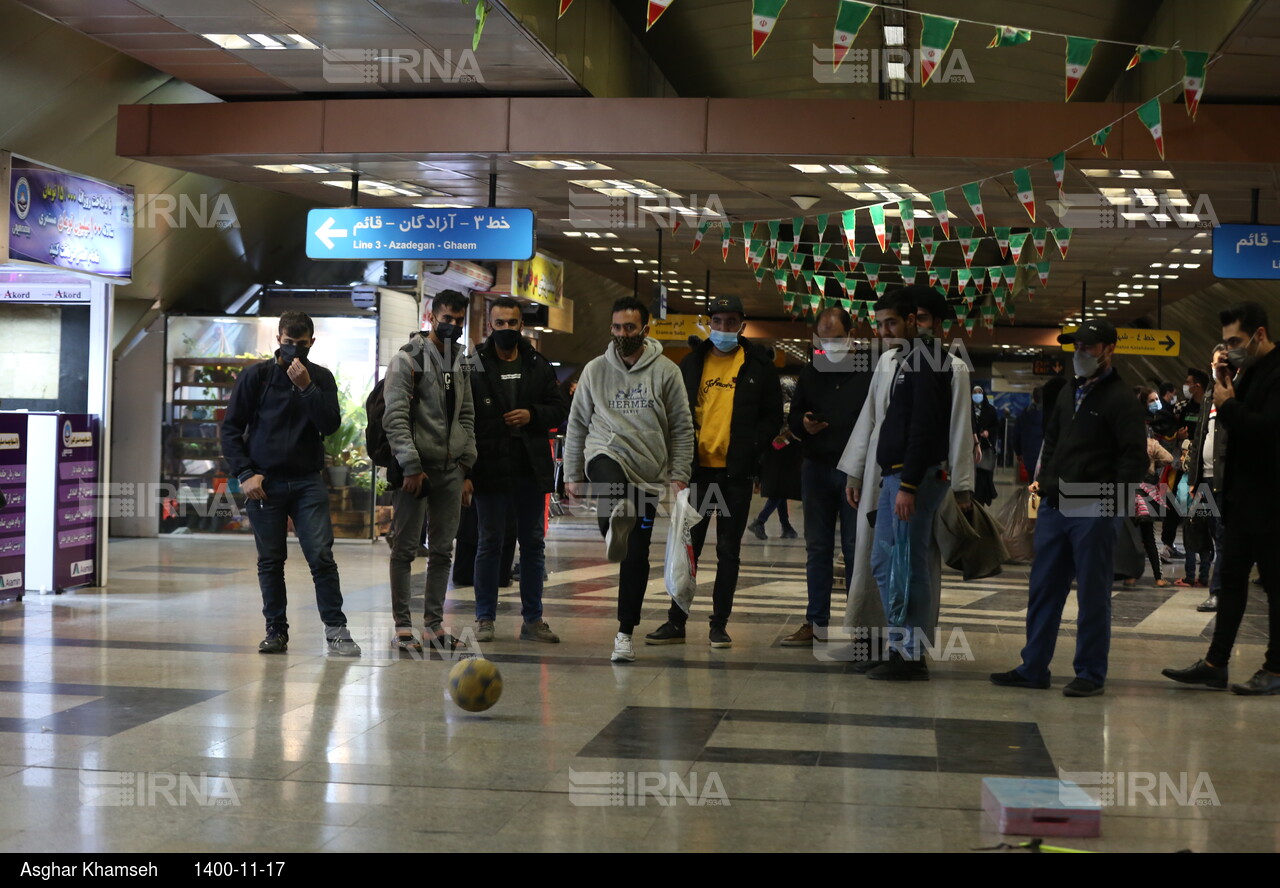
[13, 495]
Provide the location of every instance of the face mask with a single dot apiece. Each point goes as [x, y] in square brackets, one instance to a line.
[506, 340]
[924, 334]
[1240, 357]
[1155, 406]
[448, 332]
[977, 398]
[726, 342]
[1186, 392]
[834, 347]
[1084, 364]
[292, 350]
[628, 345]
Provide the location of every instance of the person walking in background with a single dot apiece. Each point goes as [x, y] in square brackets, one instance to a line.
[1028, 435]
[1152, 494]
[985, 427]
[780, 474]
[1209, 471]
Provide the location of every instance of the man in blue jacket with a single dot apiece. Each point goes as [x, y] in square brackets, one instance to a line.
[287, 406]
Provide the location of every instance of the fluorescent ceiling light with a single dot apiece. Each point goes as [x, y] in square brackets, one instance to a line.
[302, 42]
[266, 42]
[1163, 217]
[563, 165]
[1191, 265]
[229, 41]
[844, 169]
[1134, 217]
[896, 70]
[1188, 217]
[809, 167]
[894, 35]
[879, 171]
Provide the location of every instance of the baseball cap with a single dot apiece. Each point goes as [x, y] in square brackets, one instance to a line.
[724, 304]
[1091, 333]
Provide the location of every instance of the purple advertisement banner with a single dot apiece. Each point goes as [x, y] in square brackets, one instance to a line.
[59, 218]
[13, 483]
[75, 543]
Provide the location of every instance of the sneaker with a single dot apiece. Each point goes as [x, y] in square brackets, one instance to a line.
[622, 650]
[622, 520]
[1263, 684]
[899, 668]
[343, 646]
[274, 643]
[1209, 605]
[667, 633]
[484, 630]
[405, 640]
[802, 637]
[1079, 687]
[758, 529]
[719, 638]
[789, 533]
[1167, 555]
[1199, 672]
[1013, 679]
[538, 631]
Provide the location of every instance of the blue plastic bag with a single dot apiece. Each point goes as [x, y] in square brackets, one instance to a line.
[899, 573]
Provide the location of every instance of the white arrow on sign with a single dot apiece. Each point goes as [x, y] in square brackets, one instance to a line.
[327, 232]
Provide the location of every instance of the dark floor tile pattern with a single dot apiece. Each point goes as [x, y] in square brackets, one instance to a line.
[118, 708]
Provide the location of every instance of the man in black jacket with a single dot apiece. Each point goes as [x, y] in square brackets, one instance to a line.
[828, 398]
[1095, 452]
[736, 399]
[288, 405]
[1248, 409]
[518, 402]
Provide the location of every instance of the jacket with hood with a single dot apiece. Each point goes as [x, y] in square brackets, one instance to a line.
[638, 416]
[757, 405]
[427, 441]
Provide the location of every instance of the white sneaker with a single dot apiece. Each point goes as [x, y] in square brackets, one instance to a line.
[622, 520]
[622, 650]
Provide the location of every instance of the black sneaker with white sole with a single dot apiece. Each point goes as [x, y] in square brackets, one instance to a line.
[667, 633]
[275, 642]
[719, 638]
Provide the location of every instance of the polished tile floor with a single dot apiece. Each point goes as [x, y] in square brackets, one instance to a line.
[139, 717]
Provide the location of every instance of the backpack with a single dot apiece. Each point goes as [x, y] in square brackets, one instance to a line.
[375, 408]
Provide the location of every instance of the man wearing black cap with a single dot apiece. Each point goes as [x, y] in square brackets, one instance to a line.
[736, 400]
[1095, 451]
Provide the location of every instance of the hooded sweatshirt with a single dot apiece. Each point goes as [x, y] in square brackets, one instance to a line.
[638, 416]
[422, 435]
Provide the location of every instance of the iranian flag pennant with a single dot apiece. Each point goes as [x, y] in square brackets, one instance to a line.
[1193, 80]
[703, 228]
[933, 276]
[797, 229]
[759, 272]
[1026, 194]
[822, 225]
[855, 256]
[820, 254]
[1006, 36]
[895, 247]
[1149, 114]
[1016, 244]
[907, 214]
[820, 283]
[929, 250]
[784, 253]
[989, 316]
[1009, 312]
[808, 278]
[946, 325]
[1099, 139]
[969, 324]
[963, 278]
[962, 311]
[775, 225]
[909, 273]
[1002, 240]
[764, 15]
[965, 234]
[944, 278]
[1038, 237]
[656, 9]
[1144, 53]
[1079, 52]
[1062, 236]
[1059, 162]
[1010, 272]
[850, 18]
[843, 280]
[748, 234]
[935, 37]
[564, 7]
[849, 219]
[881, 286]
[780, 279]
[939, 201]
[973, 194]
[873, 272]
[1042, 269]
[877, 222]
[725, 240]
[797, 261]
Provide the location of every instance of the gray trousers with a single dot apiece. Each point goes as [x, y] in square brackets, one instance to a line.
[441, 509]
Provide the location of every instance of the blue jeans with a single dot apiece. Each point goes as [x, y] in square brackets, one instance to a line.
[920, 604]
[779, 504]
[823, 494]
[491, 525]
[306, 501]
[1080, 549]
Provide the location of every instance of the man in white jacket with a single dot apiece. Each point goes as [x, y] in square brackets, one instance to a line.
[630, 431]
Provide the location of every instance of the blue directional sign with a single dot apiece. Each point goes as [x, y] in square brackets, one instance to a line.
[1249, 252]
[410, 233]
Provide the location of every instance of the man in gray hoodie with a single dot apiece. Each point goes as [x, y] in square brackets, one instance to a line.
[630, 431]
[430, 425]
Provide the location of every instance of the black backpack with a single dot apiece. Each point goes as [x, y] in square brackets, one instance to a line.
[375, 408]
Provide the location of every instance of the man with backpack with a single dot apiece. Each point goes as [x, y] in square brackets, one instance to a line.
[517, 402]
[273, 436]
[429, 426]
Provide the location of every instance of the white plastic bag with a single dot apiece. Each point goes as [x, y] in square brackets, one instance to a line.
[681, 570]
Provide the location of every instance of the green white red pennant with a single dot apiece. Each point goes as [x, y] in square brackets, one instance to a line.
[1026, 194]
[703, 228]
[1099, 139]
[725, 239]
[895, 247]
[759, 271]
[873, 272]
[656, 9]
[564, 7]
[1079, 52]
[935, 37]
[1042, 269]
[797, 229]
[1002, 239]
[850, 18]
[1062, 236]
[1144, 53]
[946, 325]
[944, 277]
[929, 250]
[1010, 273]
[973, 196]
[797, 261]
[764, 15]
[881, 286]
[1149, 114]
[965, 235]
[939, 201]
[877, 222]
[822, 226]
[1193, 78]
[1006, 36]
[989, 316]
[808, 278]
[909, 273]
[963, 278]
[907, 215]
[969, 324]
[820, 254]
[748, 234]
[855, 257]
[1059, 162]
[1016, 244]
[1038, 237]
[933, 276]
[849, 219]
[780, 279]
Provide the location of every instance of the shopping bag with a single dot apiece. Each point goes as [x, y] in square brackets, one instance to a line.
[899, 573]
[681, 570]
[1016, 529]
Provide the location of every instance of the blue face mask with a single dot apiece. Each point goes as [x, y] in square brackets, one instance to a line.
[1155, 406]
[978, 398]
[726, 342]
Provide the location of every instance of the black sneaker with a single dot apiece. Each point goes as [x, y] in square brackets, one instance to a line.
[1209, 605]
[899, 668]
[343, 645]
[758, 529]
[719, 638]
[274, 643]
[1079, 687]
[667, 633]
[1013, 679]
[789, 533]
[1199, 672]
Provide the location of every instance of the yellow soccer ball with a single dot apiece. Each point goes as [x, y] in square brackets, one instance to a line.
[475, 684]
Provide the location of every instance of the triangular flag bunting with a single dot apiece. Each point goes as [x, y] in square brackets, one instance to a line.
[944, 278]
[797, 229]
[1016, 245]
[965, 235]
[764, 15]
[1144, 53]
[1042, 269]
[820, 254]
[939, 201]
[1079, 52]
[775, 225]
[564, 7]
[820, 283]
[850, 18]
[989, 316]
[1059, 162]
[929, 249]
[973, 194]
[969, 324]
[702, 232]
[1149, 114]
[808, 278]
[1099, 139]
[962, 311]
[1038, 237]
[759, 272]
[482, 15]
[1193, 80]
[1010, 272]
[946, 325]
[849, 219]
[780, 279]
[748, 233]
[873, 272]
[1006, 36]
[1002, 240]
[935, 37]
[963, 278]
[822, 225]
[725, 240]
[909, 273]
[855, 257]
[1027, 195]
[881, 286]
[907, 213]
[656, 9]
[1063, 238]
[877, 222]
[933, 276]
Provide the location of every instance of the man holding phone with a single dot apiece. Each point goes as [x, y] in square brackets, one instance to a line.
[828, 398]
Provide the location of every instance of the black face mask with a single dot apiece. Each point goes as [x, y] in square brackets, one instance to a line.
[629, 345]
[506, 340]
[291, 350]
[448, 332]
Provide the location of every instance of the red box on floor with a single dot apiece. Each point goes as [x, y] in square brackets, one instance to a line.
[1025, 807]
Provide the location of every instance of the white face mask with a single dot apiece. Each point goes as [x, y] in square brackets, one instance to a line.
[1084, 364]
[1186, 392]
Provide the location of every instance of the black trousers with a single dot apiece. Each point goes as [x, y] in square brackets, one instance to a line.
[712, 492]
[1147, 528]
[1241, 549]
[610, 486]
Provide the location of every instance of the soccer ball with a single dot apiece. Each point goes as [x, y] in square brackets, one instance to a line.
[475, 684]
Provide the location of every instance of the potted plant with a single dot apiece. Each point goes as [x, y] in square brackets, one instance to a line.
[343, 447]
[366, 482]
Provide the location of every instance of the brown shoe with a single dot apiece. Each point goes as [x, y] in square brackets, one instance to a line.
[802, 637]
